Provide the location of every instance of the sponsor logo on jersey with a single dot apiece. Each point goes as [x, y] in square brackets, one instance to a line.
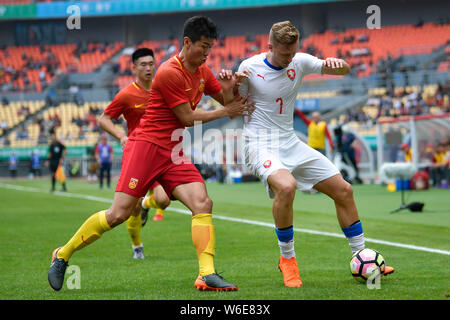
[291, 74]
[267, 164]
[133, 183]
[138, 105]
[258, 75]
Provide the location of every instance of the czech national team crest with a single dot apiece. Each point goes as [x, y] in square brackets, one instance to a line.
[291, 74]
[267, 164]
[133, 183]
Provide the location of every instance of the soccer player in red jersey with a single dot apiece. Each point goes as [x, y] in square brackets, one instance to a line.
[151, 153]
[131, 102]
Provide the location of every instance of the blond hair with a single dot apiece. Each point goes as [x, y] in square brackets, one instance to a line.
[284, 33]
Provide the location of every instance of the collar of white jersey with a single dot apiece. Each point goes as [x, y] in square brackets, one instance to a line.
[272, 66]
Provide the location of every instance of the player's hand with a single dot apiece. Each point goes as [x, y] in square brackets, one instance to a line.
[240, 107]
[333, 63]
[240, 76]
[226, 79]
[123, 141]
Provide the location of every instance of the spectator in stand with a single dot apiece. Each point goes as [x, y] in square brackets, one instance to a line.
[363, 38]
[23, 134]
[42, 139]
[5, 101]
[4, 125]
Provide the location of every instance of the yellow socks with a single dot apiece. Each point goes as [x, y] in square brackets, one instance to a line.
[204, 241]
[90, 230]
[149, 202]
[134, 226]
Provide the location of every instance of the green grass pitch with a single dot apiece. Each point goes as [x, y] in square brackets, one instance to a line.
[34, 222]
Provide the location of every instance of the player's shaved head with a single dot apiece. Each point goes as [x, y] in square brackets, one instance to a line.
[284, 33]
[198, 26]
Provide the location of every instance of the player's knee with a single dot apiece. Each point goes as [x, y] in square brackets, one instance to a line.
[345, 192]
[118, 216]
[163, 202]
[287, 189]
[203, 204]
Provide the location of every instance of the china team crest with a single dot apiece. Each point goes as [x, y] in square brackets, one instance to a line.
[201, 87]
[267, 164]
[291, 74]
[133, 183]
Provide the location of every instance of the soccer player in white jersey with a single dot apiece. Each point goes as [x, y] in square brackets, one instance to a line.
[274, 153]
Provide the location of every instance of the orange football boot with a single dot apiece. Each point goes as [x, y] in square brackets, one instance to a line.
[388, 270]
[291, 275]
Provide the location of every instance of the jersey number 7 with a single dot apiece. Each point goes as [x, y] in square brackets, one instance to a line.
[280, 100]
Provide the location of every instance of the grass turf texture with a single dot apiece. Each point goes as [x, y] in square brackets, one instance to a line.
[34, 223]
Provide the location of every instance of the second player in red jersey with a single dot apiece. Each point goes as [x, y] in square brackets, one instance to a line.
[131, 102]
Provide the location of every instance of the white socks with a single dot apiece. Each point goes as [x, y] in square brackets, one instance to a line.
[287, 249]
[357, 243]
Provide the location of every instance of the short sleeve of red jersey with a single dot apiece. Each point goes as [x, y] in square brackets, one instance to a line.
[170, 84]
[116, 107]
[212, 85]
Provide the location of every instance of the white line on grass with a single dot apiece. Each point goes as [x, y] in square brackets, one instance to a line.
[252, 222]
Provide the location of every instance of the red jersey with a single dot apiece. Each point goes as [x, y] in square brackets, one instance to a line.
[131, 101]
[173, 85]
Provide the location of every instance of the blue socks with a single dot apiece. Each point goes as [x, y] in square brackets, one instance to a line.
[354, 230]
[286, 241]
[355, 236]
[285, 234]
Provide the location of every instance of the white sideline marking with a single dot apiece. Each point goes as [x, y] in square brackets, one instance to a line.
[252, 222]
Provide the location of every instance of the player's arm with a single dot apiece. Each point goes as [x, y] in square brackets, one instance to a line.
[105, 121]
[334, 66]
[238, 107]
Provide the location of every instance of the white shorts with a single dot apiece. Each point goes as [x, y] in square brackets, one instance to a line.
[307, 165]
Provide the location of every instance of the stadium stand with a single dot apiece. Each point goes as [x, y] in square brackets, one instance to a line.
[32, 68]
[364, 49]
